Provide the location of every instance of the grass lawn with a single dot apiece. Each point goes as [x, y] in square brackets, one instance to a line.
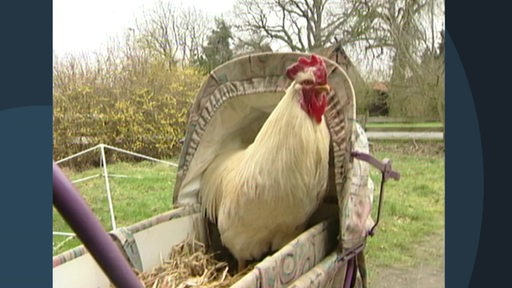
[413, 207]
[141, 190]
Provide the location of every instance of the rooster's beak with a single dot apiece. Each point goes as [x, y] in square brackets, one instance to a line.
[324, 88]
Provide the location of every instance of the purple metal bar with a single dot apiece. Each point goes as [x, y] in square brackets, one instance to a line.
[87, 227]
[384, 167]
[349, 276]
[387, 172]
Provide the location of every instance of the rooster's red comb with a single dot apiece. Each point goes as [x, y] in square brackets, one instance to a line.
[320, 70]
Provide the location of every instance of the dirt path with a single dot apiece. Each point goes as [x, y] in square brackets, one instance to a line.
[429, 273]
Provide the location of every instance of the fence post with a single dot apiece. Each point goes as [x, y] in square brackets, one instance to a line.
[107, 185]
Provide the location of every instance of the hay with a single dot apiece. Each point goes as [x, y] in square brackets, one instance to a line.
[190, 266]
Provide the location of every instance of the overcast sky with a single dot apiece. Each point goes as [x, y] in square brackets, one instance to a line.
[86, 25]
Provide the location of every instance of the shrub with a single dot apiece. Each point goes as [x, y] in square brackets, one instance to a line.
[144, 113]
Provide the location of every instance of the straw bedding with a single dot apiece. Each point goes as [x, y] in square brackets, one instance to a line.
[189, 265]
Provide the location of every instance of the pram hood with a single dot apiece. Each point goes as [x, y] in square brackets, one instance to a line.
[234, 102]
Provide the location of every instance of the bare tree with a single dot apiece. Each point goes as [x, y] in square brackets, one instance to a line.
[407, 32]
[172, 32]
[303, 25]
[403, 30]
[388, 40]
[253, 44]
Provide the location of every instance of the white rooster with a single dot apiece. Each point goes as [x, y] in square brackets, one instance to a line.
[261, 196]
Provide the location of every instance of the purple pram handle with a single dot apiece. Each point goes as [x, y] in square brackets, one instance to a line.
[88, 229]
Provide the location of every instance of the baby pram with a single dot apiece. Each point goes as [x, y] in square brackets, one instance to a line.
[233, 102]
